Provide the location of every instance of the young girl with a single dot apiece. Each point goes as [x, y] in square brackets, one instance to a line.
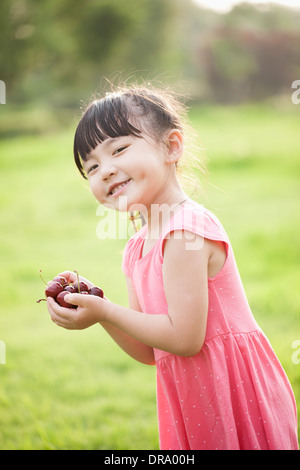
[219, 383]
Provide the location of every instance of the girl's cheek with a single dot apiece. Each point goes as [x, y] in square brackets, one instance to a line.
[97, 191]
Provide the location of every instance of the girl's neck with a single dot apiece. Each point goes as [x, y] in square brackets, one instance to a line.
[158, 213]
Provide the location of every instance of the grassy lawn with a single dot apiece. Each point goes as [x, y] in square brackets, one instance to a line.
[77, 390]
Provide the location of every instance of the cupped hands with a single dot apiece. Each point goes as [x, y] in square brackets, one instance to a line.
[90, 310]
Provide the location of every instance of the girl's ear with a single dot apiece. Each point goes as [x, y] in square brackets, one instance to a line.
[174, 146]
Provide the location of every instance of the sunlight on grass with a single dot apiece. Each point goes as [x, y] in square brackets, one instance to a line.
[77, 390]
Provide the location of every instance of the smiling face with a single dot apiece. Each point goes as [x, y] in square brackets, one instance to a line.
[127, 144]
[135, 168]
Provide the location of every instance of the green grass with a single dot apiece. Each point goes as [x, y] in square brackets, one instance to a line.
[77, 390]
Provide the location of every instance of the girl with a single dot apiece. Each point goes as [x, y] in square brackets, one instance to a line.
[219, 383]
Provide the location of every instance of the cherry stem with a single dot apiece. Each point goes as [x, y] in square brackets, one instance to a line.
[40, 273]
[77, 281]
[40, 300]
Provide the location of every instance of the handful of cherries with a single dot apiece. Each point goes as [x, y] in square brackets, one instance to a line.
[59, 287]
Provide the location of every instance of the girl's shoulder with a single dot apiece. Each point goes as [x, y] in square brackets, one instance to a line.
[194, 217]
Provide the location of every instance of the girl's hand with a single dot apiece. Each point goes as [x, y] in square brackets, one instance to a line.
[71, 277]
[90, 310]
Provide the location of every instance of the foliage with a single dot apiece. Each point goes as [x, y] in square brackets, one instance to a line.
[59, 50]
[72, 44]
[251, 64]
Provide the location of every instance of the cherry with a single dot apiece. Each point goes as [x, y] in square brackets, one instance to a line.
[70, 288]
[96, 291]
[61, 300]
[61, 279]
[82, 287]
[53, 289]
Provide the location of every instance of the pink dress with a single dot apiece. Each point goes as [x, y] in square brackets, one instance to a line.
[233, 394]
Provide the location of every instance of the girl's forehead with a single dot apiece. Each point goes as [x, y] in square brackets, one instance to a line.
[101, 145]
[109, 144]
[98, 127]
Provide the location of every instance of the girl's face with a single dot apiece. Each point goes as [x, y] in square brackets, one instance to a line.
[127, 172]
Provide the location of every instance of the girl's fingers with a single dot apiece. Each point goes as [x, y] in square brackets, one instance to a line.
[63, 317]
[82, 317]
[81, 300]
[63, 313]
[57, 312]
[71, 277]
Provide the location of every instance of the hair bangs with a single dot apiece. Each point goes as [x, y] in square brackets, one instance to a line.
[102, 119]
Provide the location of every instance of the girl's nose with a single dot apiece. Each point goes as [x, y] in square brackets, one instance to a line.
[107, 172]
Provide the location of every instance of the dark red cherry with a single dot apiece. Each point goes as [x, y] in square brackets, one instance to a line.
[53, 289]
[61, 300]
[61, 279]
[96, 291]
[83, 287]
[70, 289]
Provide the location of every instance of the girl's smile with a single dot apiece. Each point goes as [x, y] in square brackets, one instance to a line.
[117, 188]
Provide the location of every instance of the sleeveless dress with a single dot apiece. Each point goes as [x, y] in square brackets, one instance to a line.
[234, 393]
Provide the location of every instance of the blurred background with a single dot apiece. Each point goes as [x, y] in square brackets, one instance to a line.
[235, 63]
[58, 54]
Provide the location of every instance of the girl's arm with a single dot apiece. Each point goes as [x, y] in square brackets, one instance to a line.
[139, 351]
[180, 332]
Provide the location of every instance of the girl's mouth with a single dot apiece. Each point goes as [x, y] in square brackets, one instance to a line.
[116, 189]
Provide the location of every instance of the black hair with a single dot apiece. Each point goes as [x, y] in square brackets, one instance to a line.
[128, 111]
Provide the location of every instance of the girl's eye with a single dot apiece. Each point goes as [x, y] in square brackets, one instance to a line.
[120, 149]
[93, 167]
